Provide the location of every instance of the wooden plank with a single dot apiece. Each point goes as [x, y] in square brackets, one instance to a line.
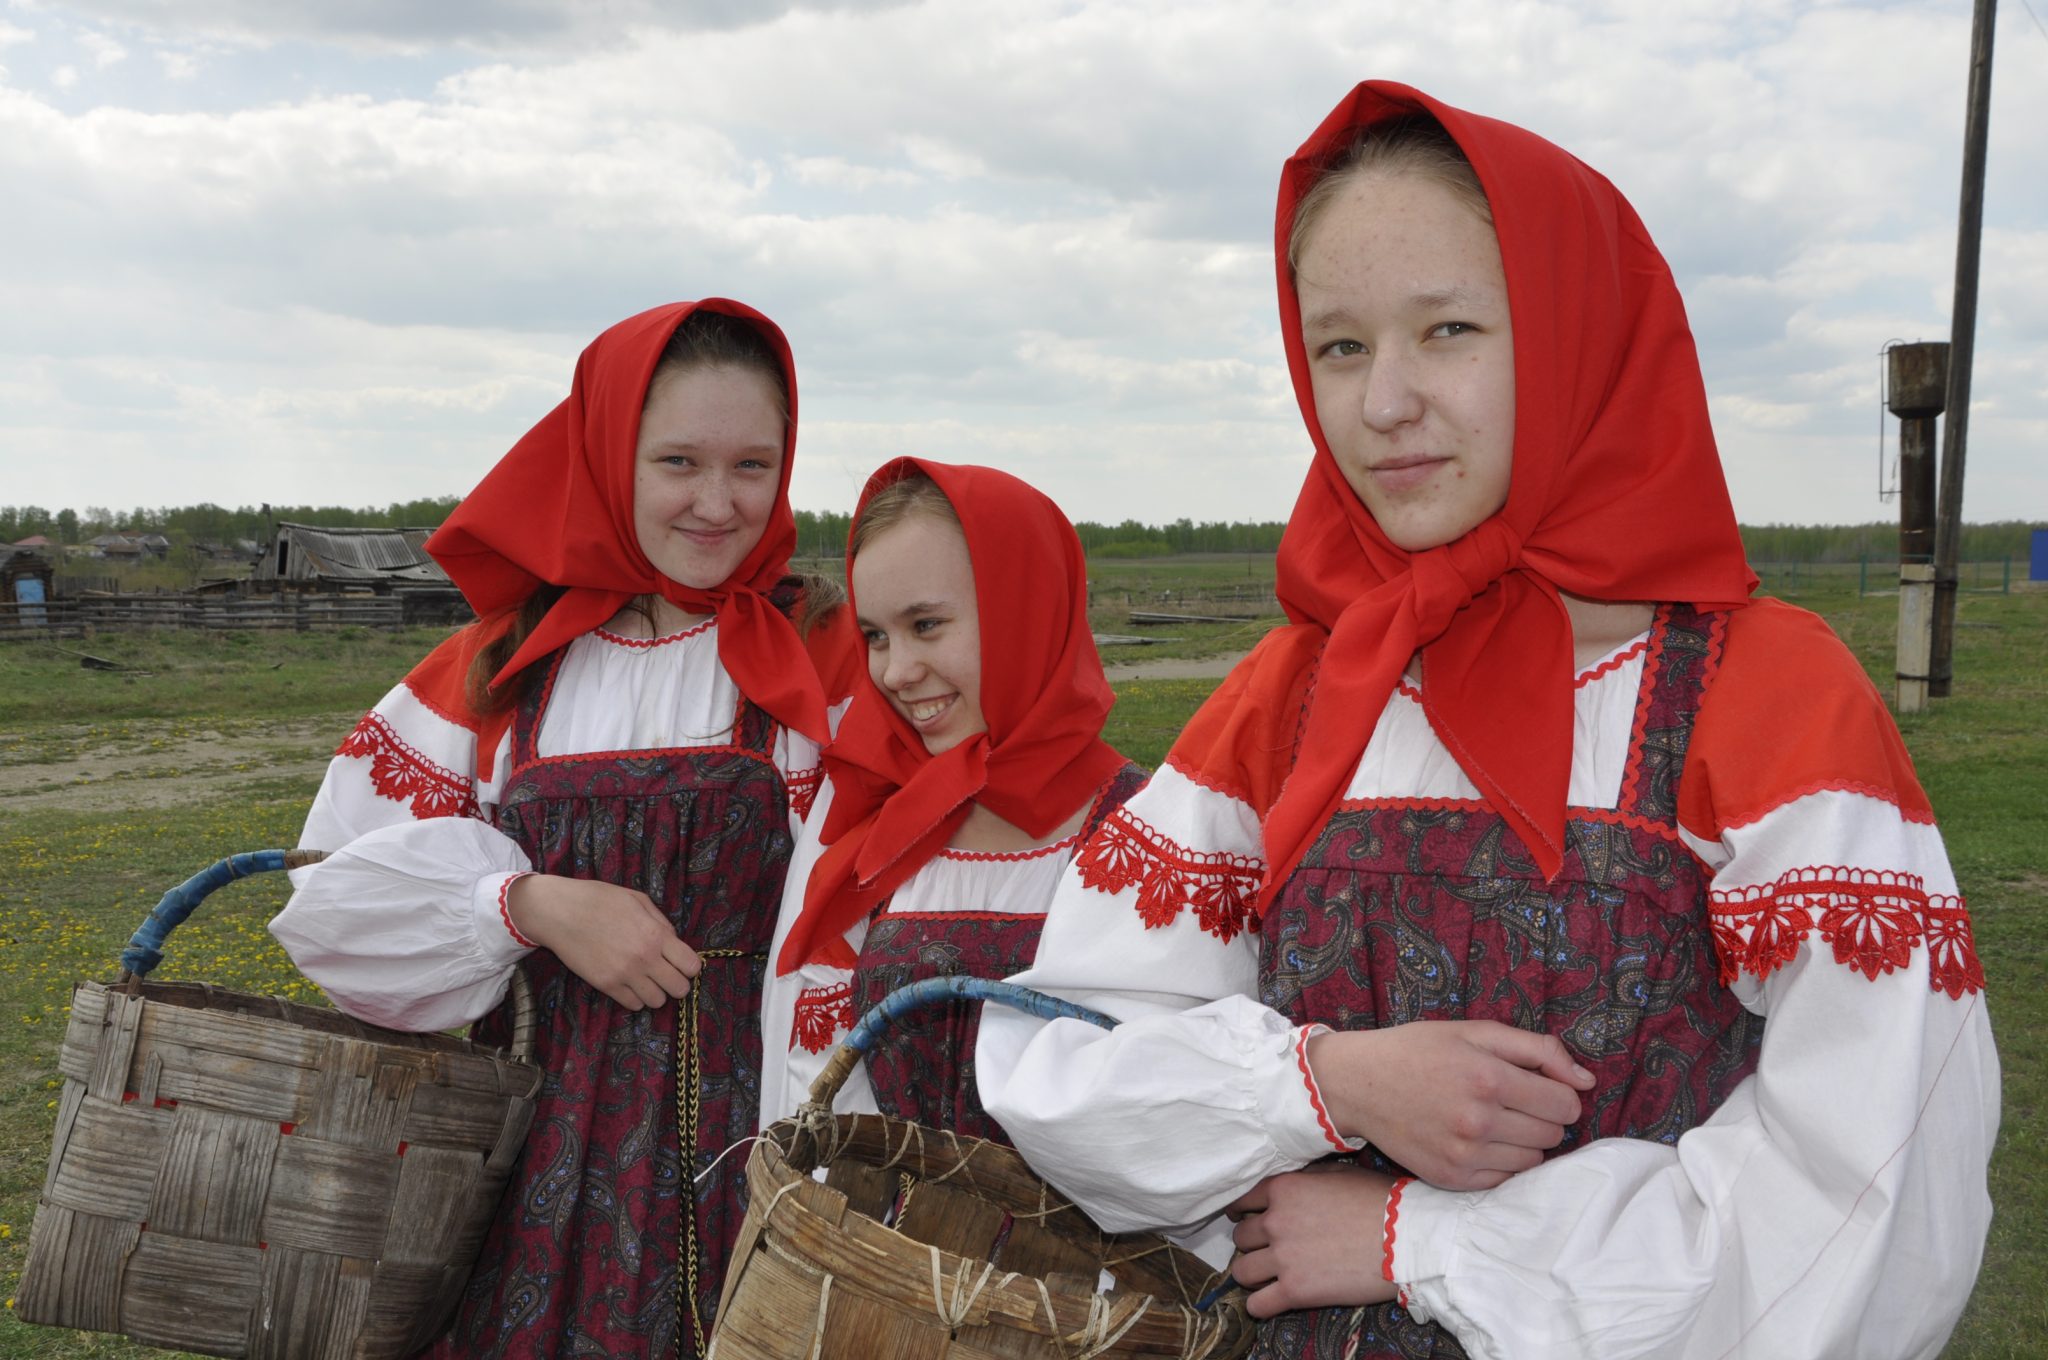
[951, 1220]
[109, 1163]
[329, 1198]
[215, 1177]
[407, 1307]
[72, 1277]
[191, 1296]
[436, 1200]
[315, 1306]
[114, 1052]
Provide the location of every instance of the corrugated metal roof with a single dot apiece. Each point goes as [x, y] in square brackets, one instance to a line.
[351, 554]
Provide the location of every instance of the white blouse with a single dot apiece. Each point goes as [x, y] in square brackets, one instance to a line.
[404, 924]
[1834, 1205]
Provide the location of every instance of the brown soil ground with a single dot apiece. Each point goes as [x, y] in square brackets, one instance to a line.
[159, 773]
[1175, 668]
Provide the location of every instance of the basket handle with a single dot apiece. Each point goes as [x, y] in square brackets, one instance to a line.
[928, 992]
[146, 946]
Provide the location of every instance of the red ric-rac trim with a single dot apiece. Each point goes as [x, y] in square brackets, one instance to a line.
[1126, 853]
[505, 912]
[1387, 1237]
[1315, 1095]
[1612, 663]
[803, 790]
[1873, 918]
[399, 772]
[822, 1015]
[620, 640]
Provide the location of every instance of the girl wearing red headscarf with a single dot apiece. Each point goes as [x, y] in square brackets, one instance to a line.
[598, 783]
[1579, 919]
[964, 773]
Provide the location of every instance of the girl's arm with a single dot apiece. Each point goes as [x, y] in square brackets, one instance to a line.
[407, 923]
[1836, 1203]
[1201, 1091]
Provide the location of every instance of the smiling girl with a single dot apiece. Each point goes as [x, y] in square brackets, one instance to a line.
[599, 784]
[1576, 919]
[962, 778]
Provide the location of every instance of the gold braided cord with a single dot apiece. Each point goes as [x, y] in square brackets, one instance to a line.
[689, 1101]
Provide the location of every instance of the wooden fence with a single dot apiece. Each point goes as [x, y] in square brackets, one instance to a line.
[77, 617]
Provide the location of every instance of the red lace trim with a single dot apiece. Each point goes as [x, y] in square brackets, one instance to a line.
[1315, 1094]
[1952, 963]
[1387, 1234]
[403, 775]
[803, 788]
[822, 1015]
[1874, 919]
[1126, 853]
[1612, 663]
[505, 912]
[619, 640]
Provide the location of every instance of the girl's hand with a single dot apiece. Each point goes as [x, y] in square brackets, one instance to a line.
[613, 938]
[1311, 1239]
[1463, 1104]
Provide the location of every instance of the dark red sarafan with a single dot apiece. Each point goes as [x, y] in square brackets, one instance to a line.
[1405, 910]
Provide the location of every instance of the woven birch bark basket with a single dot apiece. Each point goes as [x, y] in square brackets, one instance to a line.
[920, 1244]
[240, 1175]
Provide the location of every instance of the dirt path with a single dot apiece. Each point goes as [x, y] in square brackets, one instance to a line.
[1174, 668]
[130, 765]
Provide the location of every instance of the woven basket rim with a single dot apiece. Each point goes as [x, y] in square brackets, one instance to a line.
[909, 1271]
[264, 1009]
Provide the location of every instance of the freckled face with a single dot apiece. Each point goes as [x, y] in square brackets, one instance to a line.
[913, 587]
[1404, 312]
[706, 470]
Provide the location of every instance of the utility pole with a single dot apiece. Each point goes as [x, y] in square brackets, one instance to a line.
[1948, 530]
[1915, 386]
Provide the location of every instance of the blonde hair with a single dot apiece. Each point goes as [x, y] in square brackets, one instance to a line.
[1416, 146]
[913, 494]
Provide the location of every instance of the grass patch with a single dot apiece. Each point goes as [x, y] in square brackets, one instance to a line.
[74, 884]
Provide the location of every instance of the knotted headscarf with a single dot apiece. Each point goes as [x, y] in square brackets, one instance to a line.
[1617, 494]
[1043, 696]
[558, 510]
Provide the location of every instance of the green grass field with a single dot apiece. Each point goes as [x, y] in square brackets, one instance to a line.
[113, 785]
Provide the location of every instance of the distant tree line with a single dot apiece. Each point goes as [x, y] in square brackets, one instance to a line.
[822, 533]
[210, 523]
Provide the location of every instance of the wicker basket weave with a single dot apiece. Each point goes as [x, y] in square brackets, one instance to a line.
[243, 1176]
[926, 1245]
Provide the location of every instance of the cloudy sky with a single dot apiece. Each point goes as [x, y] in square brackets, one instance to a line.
[313, 251]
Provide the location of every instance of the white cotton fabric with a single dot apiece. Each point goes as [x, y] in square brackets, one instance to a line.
[1019, 884]
[402, 925]
[1846, 1175]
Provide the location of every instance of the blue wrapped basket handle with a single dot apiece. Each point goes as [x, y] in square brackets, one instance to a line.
[146, 946]
[867, 1032]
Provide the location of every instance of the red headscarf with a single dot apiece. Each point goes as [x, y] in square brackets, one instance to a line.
[1617, 494]
[1043, 696]
[558, 510]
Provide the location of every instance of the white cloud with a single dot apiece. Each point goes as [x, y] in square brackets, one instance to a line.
[1019, 231]
[64, 77]
[105, 51]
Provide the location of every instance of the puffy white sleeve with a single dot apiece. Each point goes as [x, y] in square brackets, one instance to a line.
[1200, 1092]
[404, 924]
[1835, 1205]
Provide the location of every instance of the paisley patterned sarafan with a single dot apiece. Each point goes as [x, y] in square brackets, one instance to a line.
[1403, 911]
[599, 1240]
